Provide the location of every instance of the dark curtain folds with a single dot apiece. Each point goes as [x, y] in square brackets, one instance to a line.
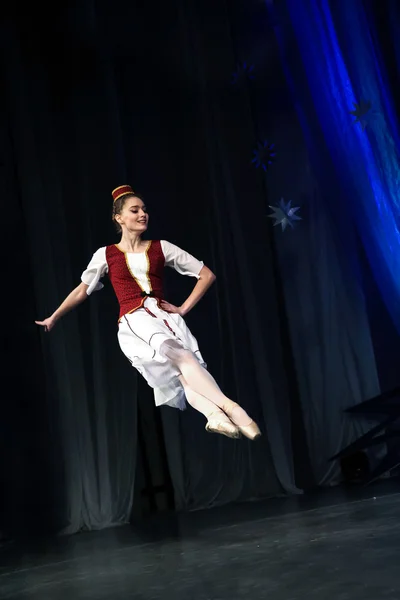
[116, 94]
[198, 204]
[61, 140]
[318, 260]
[345, 70]
[88, 109]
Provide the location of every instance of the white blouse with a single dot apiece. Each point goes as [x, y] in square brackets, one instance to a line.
[183, 262]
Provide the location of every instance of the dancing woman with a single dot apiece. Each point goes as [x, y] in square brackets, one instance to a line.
[152, 332]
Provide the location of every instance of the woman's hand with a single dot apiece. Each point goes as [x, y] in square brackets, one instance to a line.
[170, 308]
[77, 296]
[48, 323]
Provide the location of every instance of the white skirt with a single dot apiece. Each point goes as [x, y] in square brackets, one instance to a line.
[140, 337]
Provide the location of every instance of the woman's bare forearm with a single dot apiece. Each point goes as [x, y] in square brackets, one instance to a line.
[206, 280]
[76, 297]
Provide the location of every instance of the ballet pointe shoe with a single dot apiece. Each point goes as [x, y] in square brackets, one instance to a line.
[227, 428]
[251, 431]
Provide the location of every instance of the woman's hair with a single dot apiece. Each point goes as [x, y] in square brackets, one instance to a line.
[118, 207]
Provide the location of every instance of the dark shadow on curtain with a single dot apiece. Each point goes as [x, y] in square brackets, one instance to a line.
[64, 131]
[32, 478]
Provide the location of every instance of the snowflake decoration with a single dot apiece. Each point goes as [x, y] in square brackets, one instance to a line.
[284, 214]
[360, 112]
[243, 72]
[264, 155]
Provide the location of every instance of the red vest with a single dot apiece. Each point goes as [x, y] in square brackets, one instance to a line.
[129, 293]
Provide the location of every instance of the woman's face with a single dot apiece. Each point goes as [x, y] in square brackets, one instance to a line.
[133, 215]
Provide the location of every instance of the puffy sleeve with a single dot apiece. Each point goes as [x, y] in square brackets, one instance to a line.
[181, 261]
[95, 270]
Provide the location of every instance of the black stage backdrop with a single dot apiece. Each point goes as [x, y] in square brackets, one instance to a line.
[97, 94]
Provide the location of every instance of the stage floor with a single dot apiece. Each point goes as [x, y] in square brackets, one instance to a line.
[339, 544]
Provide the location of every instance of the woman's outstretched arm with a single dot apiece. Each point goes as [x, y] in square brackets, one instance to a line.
[205, 281]
[77, 296]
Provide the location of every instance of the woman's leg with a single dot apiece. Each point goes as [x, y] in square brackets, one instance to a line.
[198, 402]
[201, 382]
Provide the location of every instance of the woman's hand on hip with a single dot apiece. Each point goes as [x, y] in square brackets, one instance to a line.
[171, 308]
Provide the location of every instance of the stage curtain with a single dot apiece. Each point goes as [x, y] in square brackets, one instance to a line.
[116, 94]
[345, 66]
[103, 97]
[65, 143]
